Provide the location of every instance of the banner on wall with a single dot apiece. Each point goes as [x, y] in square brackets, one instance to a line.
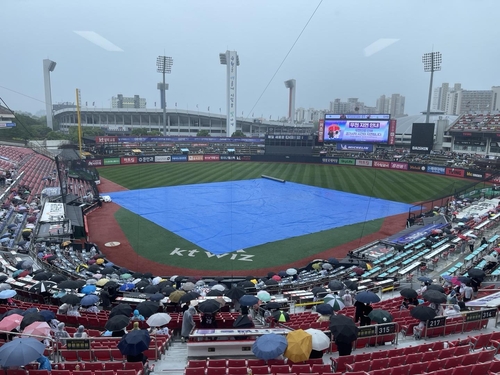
[364, 163]
[145, 159]
[321, 129]
[381, 164]
[435, 169]
[163, 159]
[112, 161]
[417, 167]
[330, 160]
[129, 160]
[94, 162]
[211, 158]
[399, 166]
[456, 172]
[354, 147]
[347, 161]
[177, 158]
[474, 174]
[195, 158]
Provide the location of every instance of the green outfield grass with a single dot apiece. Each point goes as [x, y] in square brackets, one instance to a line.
[159, 245]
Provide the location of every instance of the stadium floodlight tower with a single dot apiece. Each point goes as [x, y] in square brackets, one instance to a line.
[164, 65]
[291, 84]
[232, 61]
[432, 63]
[48, 66]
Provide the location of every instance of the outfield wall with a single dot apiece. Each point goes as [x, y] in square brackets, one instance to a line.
[472, 174]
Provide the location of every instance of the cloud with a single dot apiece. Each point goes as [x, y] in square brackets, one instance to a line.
[99, 40]
[378, 46]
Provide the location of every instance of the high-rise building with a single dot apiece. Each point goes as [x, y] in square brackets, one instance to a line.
[121, 101]
[495, 98]
[397, 108]
[300, 115]
[382, 104]
[461, 101]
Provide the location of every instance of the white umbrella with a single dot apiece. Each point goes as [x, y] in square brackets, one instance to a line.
[156, 280]
[91, 281]
[158, 319]
[490, 258]
[327, 266]
[472, 235]
[172, 279]
[291, 271]
[320, 341]
[188, 286]
[219, 287]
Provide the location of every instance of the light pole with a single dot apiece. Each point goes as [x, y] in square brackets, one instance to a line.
[48, 66]
[232, 61]
[164, 65]
[432, 63]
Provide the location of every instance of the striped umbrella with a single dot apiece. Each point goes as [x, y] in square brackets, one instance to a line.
[335, 301]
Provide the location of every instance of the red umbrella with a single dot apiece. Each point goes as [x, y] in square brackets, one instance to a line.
[497, 249]
[358, 270]
[276, 277]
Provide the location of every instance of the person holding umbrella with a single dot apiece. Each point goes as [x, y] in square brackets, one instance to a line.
[188, 323]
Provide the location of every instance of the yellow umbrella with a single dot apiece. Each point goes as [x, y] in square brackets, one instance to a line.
[299, 346]
[66, 243]
[316, 266]
[101, 282]
[368, 266]
[176, 296]
[99, 261]
[27, 230]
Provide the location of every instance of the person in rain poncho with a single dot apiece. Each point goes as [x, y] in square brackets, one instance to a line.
[137, 317]
[187, 323]
[73, 311]
[44, 363]
[347, 298]
[136, 327]
[61, 334]
[80, 333]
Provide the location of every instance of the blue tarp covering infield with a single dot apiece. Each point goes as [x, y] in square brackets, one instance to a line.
[227, 216]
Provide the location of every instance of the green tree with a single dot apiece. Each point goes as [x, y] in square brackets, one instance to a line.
[238, 134]
[154, 133]
[203, 133]
[139, 131]
[53, 135]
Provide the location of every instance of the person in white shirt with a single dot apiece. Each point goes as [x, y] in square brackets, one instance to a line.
[347, 298]
[467, 294]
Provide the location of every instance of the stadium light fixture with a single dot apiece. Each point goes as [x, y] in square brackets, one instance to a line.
[432, 63]
[164, 65]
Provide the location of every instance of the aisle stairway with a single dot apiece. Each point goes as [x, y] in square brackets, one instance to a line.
[174, 361]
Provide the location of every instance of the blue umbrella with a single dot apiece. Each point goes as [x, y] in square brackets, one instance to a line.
[333, 261]
[11, 226]
[31, 310]
[9, 293]
[282, 274]
[89, 300]
[5, 235]
[248, 300]
[127, 286]
[48, 315]
[447, 277]
[134, 342]
[20, 352]
[269, 346]
[367, 297]
[87, 289]
[156, 297]
[109, 264]
[324, 309]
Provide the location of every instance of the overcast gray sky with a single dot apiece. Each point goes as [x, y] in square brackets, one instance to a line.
[328, 61]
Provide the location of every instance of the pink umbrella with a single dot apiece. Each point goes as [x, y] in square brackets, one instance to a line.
[10, 322]
[38, 329]
[97, 276]
[455, 281]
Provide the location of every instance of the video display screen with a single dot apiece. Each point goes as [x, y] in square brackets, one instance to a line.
[356, 128]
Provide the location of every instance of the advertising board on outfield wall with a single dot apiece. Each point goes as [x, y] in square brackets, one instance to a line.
[413, 167]
[347, 161]
[364, 163]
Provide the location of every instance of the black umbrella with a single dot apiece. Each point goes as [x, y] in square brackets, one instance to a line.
[58, 278]
[164, 284]
[141, 285]
[246, 284]
[188, 297]
[437, 287]
[148, 275]
[336, 285]
[107, 271]
[42, 287]
[343, 328]
[47, 314]
[434, 296]
[209, 306]
[235, 293]
[117, 323]
[42, 276]
[408, 293]
[147, 308]
[137, 275]
[111, 284]
[318, 290]
[52, 257]
[324, 309]
[279, 316]
[476, 273]
[68, 284]
[424, 279]
[94, 268]
[31, 310]
[215, 293]
[243, 321]
[351, 285]
[80, 283]
[168, 290]
[270, 274]
[31, 318]
[135, 342]
[12, 311]
[422, 312]
[250, 277]
[380, 316]
[71, 299]
[367, 297]
[152, 289]
[121, 309]
[271, 282]
[272, 305]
